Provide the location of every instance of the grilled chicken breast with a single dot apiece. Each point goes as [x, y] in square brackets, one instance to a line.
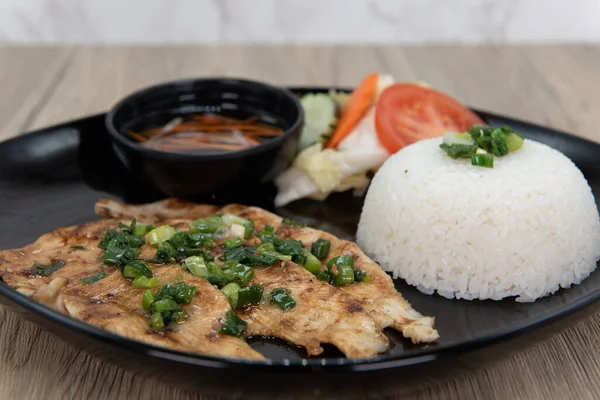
[379, 297]
[384, 304]
[154, 212]
[111, 303]
[351, 317]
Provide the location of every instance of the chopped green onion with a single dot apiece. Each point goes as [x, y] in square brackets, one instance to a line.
[136, 268]
[230, 264]
[451, 138]
[342, 269]
[221, 233]
[47, 269]
[489, 142]
[160, 234]
[459, 150]
[219, 280]
[311, 263]
[320, 248]
[290, 247]
[482, 160]
[230, 219]
[340, 260]
[499, 147]
[248, 229]
[233, 242]
[238, 230]
[249, 295]
[231, 291]
[514, 142]
[78, 247]
[156, 321]
[214, 269]
[184, 293]
[282, 298]
[165, 253]
[324, 276]
[267, 235]
[141, 282]
[344, 275]
[233, 325]
[94, 278]
[147, 299]
[199, 252]
[119, 255]
[361, 276]
[141, 229]
[131, 272]
[196, 265]
[241, 274]
[291, 222]
[268, 249]
[166, 304]
[205, 225]
[477, 131]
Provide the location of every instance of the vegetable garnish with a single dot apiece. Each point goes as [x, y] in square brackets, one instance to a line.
[233, 242]
[233, 325]
[481, 143]
[142, 282]
[320, 248]
[341, 269]
[121, 249]
[94, 278]
[320, 117]
[205, 225]
[194, 132]
[358, 104]
[282, 298]
[231, 291]
[362, 276]
[291, 222]
[165, 306]
[47, 269]
[249, 295]
[134, 228]
[161, 234]
[408, 112]
[78, 247]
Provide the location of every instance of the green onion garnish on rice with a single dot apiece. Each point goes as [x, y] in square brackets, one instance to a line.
[481, 144]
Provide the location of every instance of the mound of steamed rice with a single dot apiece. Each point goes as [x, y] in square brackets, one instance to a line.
[525, 228]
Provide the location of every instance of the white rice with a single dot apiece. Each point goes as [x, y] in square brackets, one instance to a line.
[525, 228]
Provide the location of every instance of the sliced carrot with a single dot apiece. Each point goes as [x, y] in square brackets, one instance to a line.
[137, 136]
[199, 146]
[357, 106]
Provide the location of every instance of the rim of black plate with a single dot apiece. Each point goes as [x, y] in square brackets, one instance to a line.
[381, 362]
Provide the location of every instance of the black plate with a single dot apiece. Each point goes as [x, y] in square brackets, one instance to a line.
[52, 177]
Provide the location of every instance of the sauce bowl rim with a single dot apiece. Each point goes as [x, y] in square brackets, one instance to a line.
[170, 86]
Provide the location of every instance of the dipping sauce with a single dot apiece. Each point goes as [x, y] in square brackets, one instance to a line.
[193, 133]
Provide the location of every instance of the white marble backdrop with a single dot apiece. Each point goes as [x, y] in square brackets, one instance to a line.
[298, 21]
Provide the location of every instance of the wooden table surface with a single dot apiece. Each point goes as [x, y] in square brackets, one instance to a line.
[557, 86]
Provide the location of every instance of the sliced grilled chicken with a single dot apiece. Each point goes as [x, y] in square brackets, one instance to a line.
[379, 298]
[154, 212]
[112, 303]
[322, 314]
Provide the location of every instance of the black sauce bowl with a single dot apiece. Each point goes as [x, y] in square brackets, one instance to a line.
[236, 176]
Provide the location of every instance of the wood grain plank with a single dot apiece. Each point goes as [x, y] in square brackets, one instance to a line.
[27, 76]
[552, 85]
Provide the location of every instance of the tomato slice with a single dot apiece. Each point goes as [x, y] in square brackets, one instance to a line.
[406, 113]
[360, 101]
